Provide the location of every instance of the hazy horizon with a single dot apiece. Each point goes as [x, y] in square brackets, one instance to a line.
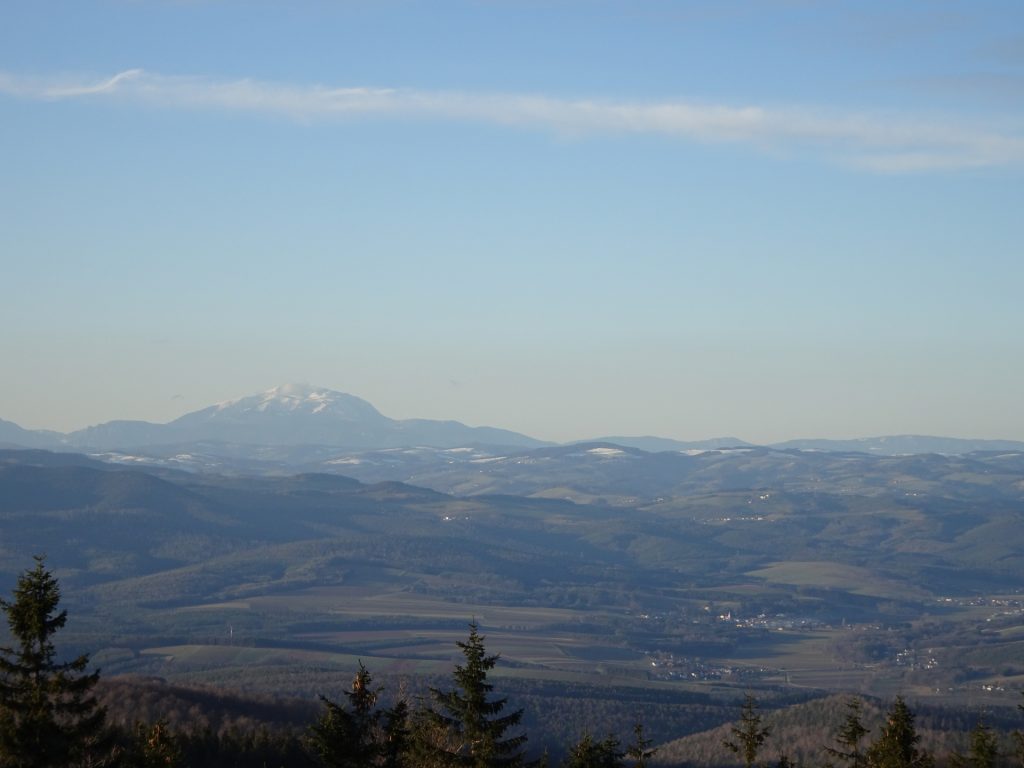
[591, 435]
[767, 220]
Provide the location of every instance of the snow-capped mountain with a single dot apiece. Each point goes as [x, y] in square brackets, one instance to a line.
[294, 414]
[292, 399]
[299, 423]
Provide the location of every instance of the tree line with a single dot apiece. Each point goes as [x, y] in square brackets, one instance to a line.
[50, 717]
[896, 746]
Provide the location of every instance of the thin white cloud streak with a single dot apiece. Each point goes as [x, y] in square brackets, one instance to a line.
[880, 143]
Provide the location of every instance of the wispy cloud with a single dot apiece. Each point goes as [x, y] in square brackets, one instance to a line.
[882, 143]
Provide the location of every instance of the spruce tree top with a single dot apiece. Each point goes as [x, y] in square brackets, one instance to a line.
[477, 722]
[32, 620]
[48, 715]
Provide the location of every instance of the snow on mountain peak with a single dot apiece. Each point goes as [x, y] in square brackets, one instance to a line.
[300, 399]
[295, 396]
[295, 390]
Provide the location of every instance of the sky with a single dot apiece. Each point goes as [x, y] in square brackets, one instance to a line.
[766, 219]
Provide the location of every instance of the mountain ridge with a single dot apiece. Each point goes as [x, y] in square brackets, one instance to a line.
[305, 415]
[292, 414]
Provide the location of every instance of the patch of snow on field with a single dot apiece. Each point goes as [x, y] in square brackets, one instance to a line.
[608, 452]
[722, 451]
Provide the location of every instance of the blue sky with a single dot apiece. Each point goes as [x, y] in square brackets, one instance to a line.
[765, 219]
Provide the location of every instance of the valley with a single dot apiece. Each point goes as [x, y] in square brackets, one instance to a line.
[608, 569]
[615, 582]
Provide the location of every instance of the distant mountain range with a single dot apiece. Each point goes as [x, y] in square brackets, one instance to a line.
[298, 423]
[656, 444]
[288, 415]
[11, 436]
[607, 474]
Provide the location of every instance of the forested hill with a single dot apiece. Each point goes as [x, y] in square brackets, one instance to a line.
[803, 732]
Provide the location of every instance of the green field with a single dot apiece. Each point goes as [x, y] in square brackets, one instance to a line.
[830, 575]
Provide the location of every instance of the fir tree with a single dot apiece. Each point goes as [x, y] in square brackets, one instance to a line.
[748, 736]
[849, 737]
[896, 747]
[396, 736]
[640, 751]
[49, 717]
[587, 753]
[982, 752]
[476, 730]
[347, 737]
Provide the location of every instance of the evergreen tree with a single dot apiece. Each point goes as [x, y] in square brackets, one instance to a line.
[396, 742]
[982, 752]
[432, 744]
[348, 737]
[587, 753]
[475, 728]
[640, 751]
[896, 747]
[849, 737]
[49, 717]
[748, 736]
